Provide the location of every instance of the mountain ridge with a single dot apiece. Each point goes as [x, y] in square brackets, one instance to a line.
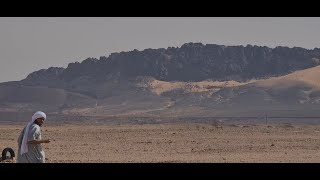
[193, 80]
[210, 61]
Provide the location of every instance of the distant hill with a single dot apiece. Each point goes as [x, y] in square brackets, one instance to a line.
[190, 62]
[191, 80]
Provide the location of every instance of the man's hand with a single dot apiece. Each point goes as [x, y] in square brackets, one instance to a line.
[46, 141]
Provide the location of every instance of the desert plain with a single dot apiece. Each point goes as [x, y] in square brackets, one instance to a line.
[173, 143]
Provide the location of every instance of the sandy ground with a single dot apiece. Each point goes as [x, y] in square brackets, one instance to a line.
[173, 143]
[158, 87]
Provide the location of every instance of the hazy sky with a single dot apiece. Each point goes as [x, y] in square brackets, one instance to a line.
[28, 44]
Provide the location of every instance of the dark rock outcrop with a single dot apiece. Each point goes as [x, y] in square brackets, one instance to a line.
[190, 62]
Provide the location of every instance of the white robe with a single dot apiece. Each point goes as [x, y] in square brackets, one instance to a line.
[24, 146]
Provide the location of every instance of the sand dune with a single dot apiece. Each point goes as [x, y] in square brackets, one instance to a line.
[308, 77]
[158, 87]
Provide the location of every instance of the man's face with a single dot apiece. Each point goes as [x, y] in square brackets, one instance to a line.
[39, 121]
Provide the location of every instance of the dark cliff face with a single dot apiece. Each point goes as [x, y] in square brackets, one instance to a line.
[190, 62]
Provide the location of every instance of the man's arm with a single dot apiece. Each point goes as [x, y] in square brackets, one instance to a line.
[38, 141]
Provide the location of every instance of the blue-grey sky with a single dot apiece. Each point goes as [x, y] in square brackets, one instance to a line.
[28, 44]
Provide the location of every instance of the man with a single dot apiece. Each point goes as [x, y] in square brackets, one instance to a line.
[29, 141]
